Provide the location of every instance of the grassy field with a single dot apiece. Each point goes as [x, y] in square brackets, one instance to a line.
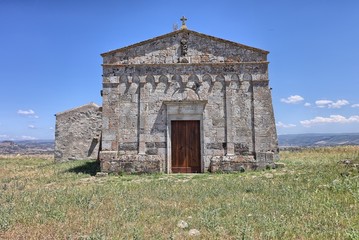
[313, 197]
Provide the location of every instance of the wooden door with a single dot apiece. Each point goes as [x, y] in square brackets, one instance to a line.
[186, 146]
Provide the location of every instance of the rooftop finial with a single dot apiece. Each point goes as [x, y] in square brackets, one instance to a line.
[183, 19]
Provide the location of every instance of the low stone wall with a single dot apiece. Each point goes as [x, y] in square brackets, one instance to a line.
[132, 164]
[241, 163]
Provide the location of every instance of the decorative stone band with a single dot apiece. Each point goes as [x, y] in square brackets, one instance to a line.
[179, 64]
[191, 82]
[155, 79]
[184, 69]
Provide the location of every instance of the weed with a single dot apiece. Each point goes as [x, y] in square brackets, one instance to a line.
[313, 197]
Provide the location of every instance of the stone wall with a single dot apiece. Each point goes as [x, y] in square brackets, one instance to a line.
[78, 133]
[222, 84]
[202, 48]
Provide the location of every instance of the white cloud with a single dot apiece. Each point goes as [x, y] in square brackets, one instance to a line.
[29, 113]
[51, 128]
[323, 103]
[292, 99]
[355, 105]
[3, 136]
[28, 138]
[26, 112]
[330, 104]
[331, 119]
[307, 104]
[339, 104]
[31, 126]
[282, 125]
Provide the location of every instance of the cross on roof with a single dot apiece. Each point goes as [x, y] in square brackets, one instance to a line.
[183, 19]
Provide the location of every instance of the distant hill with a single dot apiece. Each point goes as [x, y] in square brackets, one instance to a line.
[316, 140]
[290, 140]
[27, 147]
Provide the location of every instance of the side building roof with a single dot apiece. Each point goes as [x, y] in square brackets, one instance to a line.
[77, 109]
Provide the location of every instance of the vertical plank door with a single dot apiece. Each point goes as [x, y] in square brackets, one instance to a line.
[186, 146]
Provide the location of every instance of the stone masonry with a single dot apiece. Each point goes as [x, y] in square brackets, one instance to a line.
[186, 75]
[180, 102]
[77, 133]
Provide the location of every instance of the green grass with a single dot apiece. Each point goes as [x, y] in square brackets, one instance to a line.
[313, 197]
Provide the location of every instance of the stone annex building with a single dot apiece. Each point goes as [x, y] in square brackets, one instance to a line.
[180, 102]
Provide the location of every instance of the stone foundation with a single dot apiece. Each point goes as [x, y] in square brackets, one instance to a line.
[241, 163]
[130, 163]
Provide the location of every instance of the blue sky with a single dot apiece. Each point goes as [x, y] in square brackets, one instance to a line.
[50, 55]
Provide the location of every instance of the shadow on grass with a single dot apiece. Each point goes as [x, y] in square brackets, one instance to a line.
[87, 168]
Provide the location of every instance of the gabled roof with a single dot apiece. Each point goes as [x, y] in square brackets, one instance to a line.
[184, 31]
[91, 104]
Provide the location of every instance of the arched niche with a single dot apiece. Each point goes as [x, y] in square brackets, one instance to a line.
[206, 78]
[235, 77]
[123, 79]
[247, 77]
[206, 84]
[235, 82]
[219, 83]
[162, 84]
[150, 83]
[193, 82]
[177, 80]
[220, 78]
[136, 79]
[193, 78]
[163, 79]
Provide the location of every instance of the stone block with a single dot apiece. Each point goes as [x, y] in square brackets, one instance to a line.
[152, 151]
[160, 144]
[128, 146]
[109, 136]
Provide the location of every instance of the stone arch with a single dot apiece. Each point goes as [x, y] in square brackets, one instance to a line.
[136, 79]
[163, 79]
[162, 84]
[235, 82]
[123, 79]
[220, 78]
[150, 79]
[247, 77]
[219, 83]
[206, 78]
[133, 88]
[134, 83]
[207, 82]
[193, 78]
[124, 84]
[235, 77]
[177, 80]
[150, 83]
[193, 82]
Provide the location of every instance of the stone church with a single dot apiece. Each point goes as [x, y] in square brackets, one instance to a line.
[181, 102]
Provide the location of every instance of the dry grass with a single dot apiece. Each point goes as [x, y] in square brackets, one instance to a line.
[313, 197]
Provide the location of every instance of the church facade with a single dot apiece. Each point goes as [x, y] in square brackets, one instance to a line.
[186, 102]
